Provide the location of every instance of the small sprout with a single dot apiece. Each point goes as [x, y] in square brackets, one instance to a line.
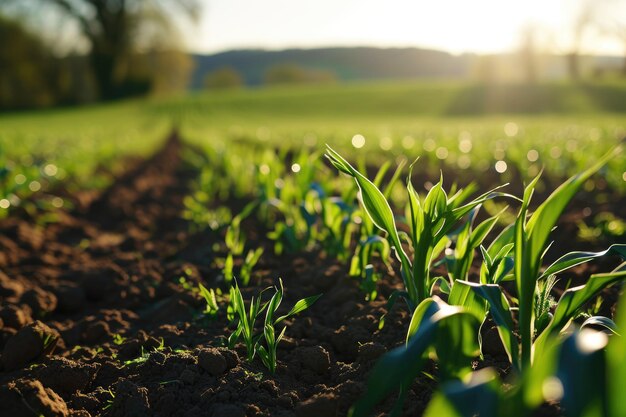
[118, 339]
[211, 308]
[110, 401]
[246, 323]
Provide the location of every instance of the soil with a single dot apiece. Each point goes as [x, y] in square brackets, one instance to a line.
[94, 319]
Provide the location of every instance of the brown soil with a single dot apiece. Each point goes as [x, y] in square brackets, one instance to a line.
[94, 320]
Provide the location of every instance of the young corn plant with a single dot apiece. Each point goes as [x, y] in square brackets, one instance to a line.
[370, 241]
[572, 370]
[438, 330]
[336, 226]
[267, 353]
[249, 262]
[530, 243]
[235, 241]
[361, 265]
[466, 239]
[212, 307]
[498, 258]
[235, 238]
[246, 321]
[430, 220]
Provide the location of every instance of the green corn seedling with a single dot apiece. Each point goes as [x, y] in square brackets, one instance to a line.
[430, 220]
[212, 307]
[498, 258]
[267, 353]
[577, 370]
[235, 239]
[467, 239]
[447, 331]
[246, 321]
[228, 268]
[370, 241]
[249, 262]
[530, 243]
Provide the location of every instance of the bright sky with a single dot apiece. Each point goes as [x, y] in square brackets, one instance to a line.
[454, 25]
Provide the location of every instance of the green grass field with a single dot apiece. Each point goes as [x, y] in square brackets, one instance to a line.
[466, 126]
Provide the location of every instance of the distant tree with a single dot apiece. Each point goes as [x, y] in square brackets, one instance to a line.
[604, 17]
[621, 32]
[28, 73]
[223, 78]
[582, 23]
[113, 29]
[294, 74]
[160, 71]
[285, 74]
[528, 54]
[618, 30]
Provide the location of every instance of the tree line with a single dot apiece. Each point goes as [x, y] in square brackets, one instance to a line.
[129, 47]
[227, 77]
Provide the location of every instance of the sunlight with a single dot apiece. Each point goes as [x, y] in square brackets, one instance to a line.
[484, 26]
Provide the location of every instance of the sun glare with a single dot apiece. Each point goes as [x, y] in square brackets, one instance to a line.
[482, 26]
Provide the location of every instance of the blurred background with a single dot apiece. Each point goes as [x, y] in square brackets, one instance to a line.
[491, 89]
[74, 52]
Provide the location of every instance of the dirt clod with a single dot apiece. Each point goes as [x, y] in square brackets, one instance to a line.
[9, 288]
[98, 283]
[130, 400]
[96, 331]
[71, 298]
[233, 410]
[40, 301]
[27, 397]
[14, 317]
[212, 361]
[314, 358]
[188, 377]
[66, 376]
[318, 405]
[28, 344]
[371, 351]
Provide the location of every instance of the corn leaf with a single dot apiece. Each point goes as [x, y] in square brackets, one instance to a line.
[464, 296]
[396, 175]
[400, 366]
[504, 239]
[545, 217]
[601, 323]
[274, 303]
[525, 271]
[582, 373]
[574, 298]
[457, 344]
[480, 396]
[572, 259]
[299, 307]
[616, 357]
[378, 210]
[501, 314]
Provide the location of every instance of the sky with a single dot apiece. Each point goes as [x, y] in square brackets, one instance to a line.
[457, 26]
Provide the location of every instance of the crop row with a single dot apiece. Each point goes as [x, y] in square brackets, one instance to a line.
[304, 205]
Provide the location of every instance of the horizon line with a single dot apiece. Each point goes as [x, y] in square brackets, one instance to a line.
[390, 47]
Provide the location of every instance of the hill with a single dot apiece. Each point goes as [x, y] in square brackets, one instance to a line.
[360, 63]
[370, 63]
